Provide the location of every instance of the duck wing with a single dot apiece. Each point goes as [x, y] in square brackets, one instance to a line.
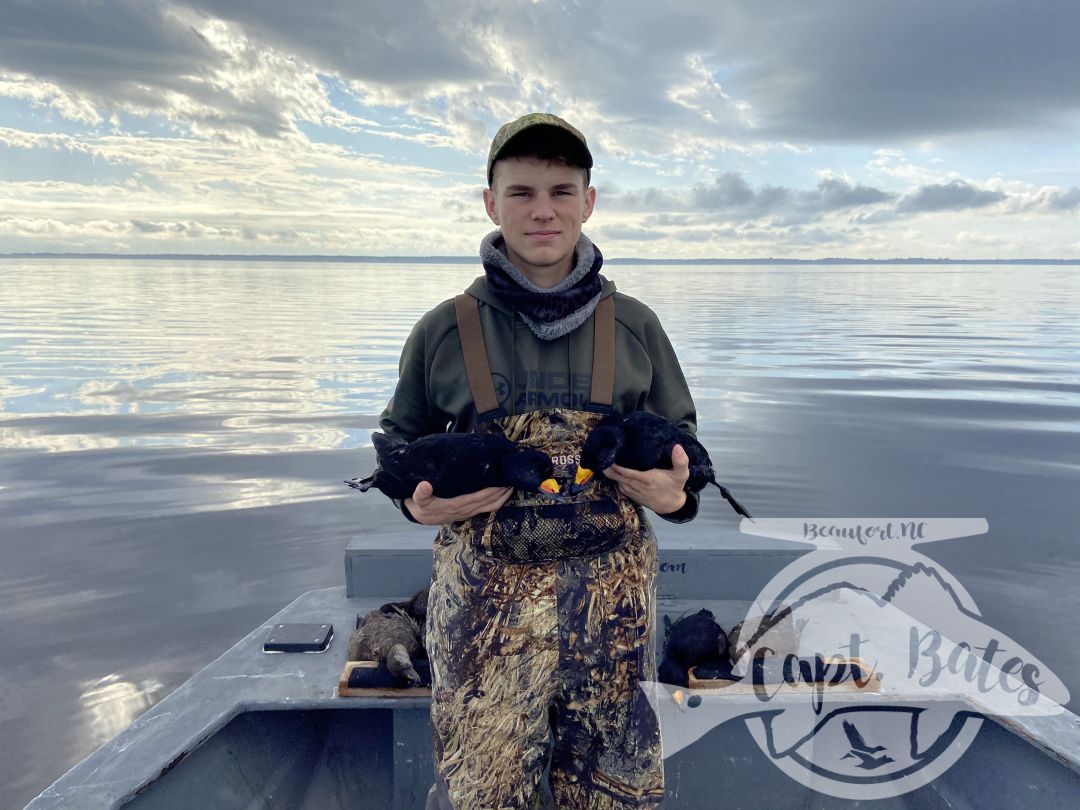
[380, 631]
[473, 461]
[404, 465]
[454, 463]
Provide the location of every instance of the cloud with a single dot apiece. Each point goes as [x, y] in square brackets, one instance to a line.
[894, 165]
[732, 197]
[836, 193]
[905, 70]
[406, 46]
[978, 238]
[683, 84]
[1048, 200]
[1061, 200]
[225, 124]
[704, 78]
[86, 60]
[149, 227]
[675, 220]
[952, 196]
[630, 233]
[126, 54]
[68, 105]
[20, 139]
[839, 214]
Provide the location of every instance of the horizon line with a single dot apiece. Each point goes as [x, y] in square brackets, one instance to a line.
[315, 257]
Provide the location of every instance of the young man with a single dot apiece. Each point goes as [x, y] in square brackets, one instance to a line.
[541, 616]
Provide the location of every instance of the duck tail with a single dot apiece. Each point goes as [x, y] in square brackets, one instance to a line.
[362, 484]
[738, 507]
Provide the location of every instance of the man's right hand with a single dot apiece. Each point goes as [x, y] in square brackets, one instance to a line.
[431, 511]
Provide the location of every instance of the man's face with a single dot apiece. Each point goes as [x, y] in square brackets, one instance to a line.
[539, 206]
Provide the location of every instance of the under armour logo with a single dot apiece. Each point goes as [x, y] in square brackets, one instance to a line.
[502, 387]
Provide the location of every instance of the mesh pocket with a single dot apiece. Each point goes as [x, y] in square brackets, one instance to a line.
[544, 532]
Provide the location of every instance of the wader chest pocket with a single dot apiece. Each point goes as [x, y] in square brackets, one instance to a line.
[533, 532]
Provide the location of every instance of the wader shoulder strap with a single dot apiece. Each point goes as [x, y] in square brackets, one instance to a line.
[603, 358]
[478, 370]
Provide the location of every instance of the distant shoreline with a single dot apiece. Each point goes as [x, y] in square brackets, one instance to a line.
[228, 257]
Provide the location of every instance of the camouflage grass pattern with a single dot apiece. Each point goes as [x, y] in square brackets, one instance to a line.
[530, 527]
[516, 646]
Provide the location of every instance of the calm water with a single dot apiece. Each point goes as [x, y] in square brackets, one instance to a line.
[173, 436]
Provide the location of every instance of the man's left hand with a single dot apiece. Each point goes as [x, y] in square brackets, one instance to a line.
[659, 490]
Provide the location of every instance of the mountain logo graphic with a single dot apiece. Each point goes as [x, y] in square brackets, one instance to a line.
[928, 667]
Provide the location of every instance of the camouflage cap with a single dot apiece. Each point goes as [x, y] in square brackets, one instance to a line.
[507, 132]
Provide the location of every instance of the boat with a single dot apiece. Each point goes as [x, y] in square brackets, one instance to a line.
[253, 730]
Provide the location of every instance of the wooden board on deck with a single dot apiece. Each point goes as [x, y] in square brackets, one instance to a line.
[343, 689]
[746, 686]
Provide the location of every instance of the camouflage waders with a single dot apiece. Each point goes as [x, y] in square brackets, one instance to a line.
[518, 647]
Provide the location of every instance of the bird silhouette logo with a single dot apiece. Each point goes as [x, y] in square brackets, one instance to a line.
[862, 751]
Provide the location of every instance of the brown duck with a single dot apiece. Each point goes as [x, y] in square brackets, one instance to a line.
[393, 637]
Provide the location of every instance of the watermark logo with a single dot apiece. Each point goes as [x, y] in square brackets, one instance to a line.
[864, 669]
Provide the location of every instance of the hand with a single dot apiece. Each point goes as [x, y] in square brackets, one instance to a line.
[660, 490]
[431, 511]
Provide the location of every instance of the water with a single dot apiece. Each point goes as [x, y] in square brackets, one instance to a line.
[173, 436]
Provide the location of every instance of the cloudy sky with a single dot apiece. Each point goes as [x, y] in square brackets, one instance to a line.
[720, 129]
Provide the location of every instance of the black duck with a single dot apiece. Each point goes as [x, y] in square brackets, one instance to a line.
[643, 441]
[695, 639]
[456, 464]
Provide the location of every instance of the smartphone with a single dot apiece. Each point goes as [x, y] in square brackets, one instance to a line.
[290, 638]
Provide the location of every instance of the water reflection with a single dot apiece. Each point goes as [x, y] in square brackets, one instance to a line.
[111, 704]
[175, 338]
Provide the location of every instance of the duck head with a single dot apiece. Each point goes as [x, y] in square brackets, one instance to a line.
[400, 664]
[532, 471]
[598, 453]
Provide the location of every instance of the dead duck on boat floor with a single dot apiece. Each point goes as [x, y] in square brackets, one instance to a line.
[691, 641]
[393, 637]
[416, 608]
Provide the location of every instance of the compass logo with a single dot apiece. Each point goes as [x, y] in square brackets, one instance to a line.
[865, 667]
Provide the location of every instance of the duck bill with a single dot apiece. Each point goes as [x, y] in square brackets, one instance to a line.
[550, 486]
[581, 480]
[582, 476]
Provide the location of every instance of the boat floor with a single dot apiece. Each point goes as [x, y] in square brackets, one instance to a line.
[255, 730]
[260, 730]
